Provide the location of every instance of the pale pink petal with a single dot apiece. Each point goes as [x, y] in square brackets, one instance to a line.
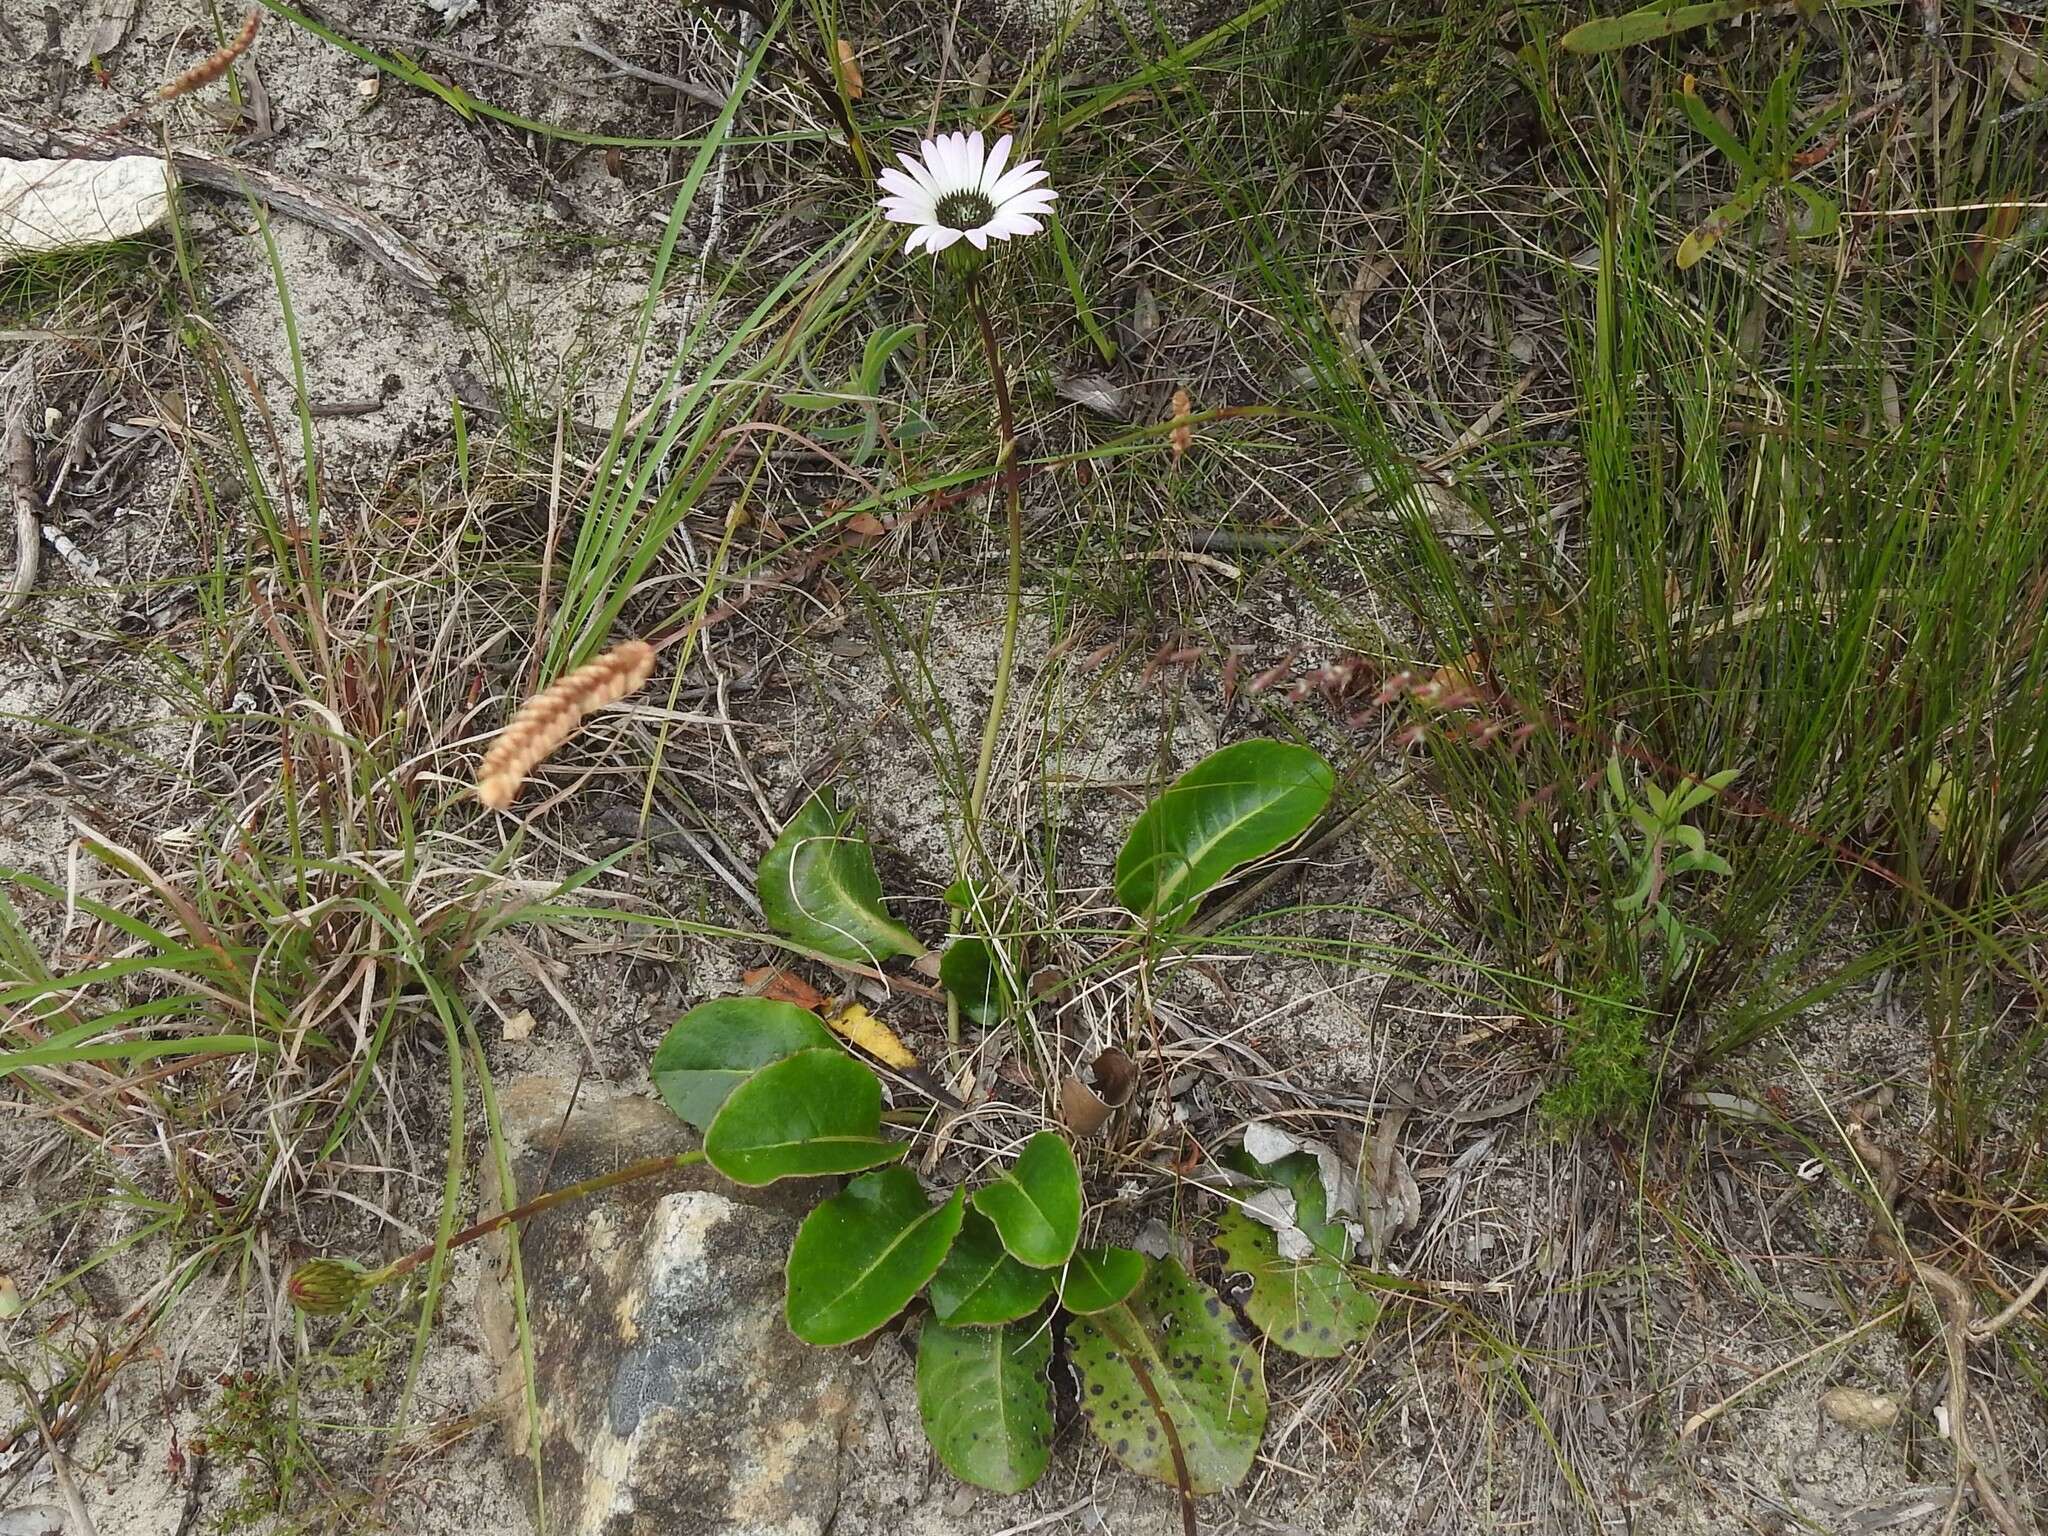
[939, 238]
[978, 238]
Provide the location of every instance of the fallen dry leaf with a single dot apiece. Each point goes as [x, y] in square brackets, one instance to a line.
[1086, 1105]
[1182, 437]
[855, 1025]
[849, 71]
[519, 1026]
[783, 986]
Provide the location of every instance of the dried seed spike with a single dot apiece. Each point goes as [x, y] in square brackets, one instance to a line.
[551, 716]
[215, 64]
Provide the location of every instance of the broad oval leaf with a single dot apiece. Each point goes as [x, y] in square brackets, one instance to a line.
[980, 1284]
[1310, 1307]
[986, 1402]
[1233, 806]
[1210, 1381]
[1098, 1278]
[1036, 1205]
[718, 1045]
[816, 1112]
[861, 1256]
[818, 885]
[971, 972]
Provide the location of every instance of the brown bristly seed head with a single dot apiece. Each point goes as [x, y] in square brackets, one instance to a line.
[215, 64]
[551, 716]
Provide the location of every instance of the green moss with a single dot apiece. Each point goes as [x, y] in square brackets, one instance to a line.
[1608, 1080]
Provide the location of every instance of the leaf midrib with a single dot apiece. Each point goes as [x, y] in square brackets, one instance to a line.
[861, 1278]
[1163, 891]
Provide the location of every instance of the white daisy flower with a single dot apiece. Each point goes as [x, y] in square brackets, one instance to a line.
[954, 192]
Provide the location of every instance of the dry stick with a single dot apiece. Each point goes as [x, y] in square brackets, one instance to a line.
[1706, 1416]
[646, 1168]
[18, 450]
[378, 240]
[702, 94]
[1953, 1305]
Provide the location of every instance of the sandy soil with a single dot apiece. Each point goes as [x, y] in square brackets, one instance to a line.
[1608, 1329]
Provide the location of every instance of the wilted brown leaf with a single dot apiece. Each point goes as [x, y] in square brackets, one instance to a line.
[783, 986]
[849, 71]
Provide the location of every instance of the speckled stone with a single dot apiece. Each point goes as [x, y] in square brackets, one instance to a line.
[673, 1399]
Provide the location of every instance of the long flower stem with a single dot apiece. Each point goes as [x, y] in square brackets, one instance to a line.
[1006, 483]
[999, 694]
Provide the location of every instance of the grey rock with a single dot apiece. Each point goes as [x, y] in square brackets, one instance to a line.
[672, 1397]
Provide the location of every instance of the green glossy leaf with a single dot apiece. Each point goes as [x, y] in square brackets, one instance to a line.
[1098, 1278]
[1308, 1307]
[969, 971]
[862, 1255]
[716, 1046]
[813, 1113]
[1036, 1205]
[818, 885]
[1209, 1380]
[980, 1283]
[986, 1402]
[1234, 806]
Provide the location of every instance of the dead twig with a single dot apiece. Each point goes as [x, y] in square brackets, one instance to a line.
[18, 450]
[702, 94]
[376, 239]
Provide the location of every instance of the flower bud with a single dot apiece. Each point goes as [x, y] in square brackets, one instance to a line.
[321, 1286]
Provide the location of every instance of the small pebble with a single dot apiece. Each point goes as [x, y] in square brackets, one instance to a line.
[1867, 1413]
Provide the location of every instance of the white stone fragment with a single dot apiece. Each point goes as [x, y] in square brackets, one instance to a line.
[59, 205]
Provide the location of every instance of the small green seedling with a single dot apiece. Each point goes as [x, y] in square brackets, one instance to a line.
[1660, 818]
[1770, 163]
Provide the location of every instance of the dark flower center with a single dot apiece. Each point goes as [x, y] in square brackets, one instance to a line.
[965, 210]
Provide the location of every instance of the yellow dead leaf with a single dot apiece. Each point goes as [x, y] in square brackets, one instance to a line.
[849, 71]
[859, 1028]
